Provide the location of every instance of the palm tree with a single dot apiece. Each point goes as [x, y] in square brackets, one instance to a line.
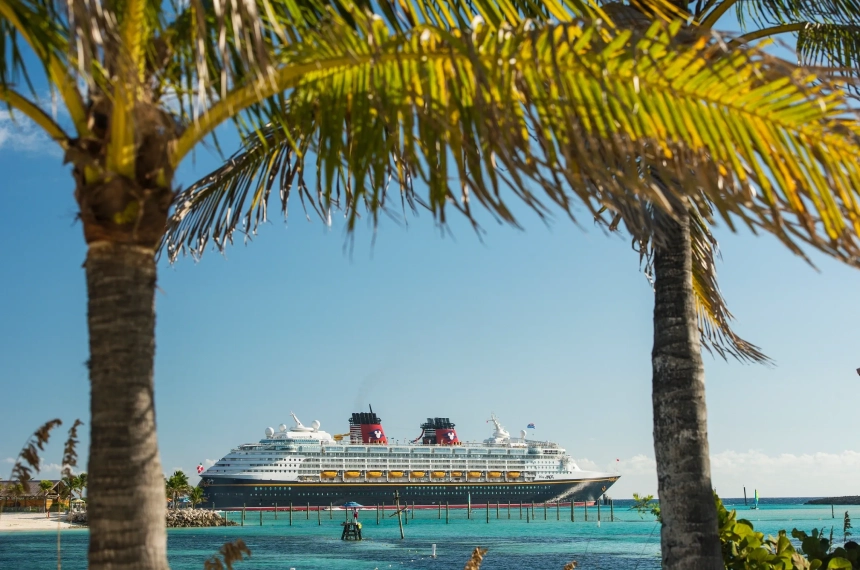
[195, 496]
[414, 92]
[82, 484]
[17, 491]
[688, 309]
[177, 485]
[72, 485]
[45, 486]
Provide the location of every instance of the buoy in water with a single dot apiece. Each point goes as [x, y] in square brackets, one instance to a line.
[433, 551]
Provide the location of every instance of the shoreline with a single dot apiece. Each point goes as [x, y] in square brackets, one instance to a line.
[844, 500]
[16, 522]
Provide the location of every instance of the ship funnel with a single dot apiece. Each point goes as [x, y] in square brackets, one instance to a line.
[366, 428]
[439, 431]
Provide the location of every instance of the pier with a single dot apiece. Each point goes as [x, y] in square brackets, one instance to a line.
[486, 511]
[351, 531]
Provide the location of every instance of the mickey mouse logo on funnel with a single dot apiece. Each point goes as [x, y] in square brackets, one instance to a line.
[446, 437]
[373, 433]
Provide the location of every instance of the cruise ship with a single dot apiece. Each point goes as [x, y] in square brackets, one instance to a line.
[304, 465]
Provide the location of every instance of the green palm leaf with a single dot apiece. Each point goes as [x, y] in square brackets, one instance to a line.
[790, 11]
[832, 45]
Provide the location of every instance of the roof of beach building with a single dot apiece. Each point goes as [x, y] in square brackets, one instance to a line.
[31, 488]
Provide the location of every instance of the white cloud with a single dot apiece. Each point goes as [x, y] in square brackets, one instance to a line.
[50, 469]
[18, 133]
[781, 475]
[210, 462]
[9, 460]
[786, 474]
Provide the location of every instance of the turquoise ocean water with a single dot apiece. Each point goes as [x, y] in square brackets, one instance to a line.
[629, 543]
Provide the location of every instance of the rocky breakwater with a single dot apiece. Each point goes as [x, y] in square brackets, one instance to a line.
[195, 517]
[78, 517]
[182, 518]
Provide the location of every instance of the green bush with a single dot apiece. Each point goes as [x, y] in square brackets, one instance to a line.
[745, 549]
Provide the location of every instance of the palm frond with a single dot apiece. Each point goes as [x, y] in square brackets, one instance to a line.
[553, 113]
[713, 313]
[213, 46]
[791, 11]
[36, 23]
[832, 45]
[714, 318]
[236, 195]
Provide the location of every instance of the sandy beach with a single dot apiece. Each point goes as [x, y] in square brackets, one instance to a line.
[34, 521]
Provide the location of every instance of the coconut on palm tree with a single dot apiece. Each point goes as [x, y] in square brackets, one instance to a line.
[376, 101]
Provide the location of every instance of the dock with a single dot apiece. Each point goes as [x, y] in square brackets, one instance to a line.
[351, 531]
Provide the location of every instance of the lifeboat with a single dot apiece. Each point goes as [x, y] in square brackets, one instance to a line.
[374, 473]
[495, 474]
[474, 474]
[396, 473]
[417, 474]
[352, 474]
[328, 474]
[456, 473]
[513, 474]
[438, 474]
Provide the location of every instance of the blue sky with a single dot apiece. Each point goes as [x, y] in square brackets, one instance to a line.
[547, 325]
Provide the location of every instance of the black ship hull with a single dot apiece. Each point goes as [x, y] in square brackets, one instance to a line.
[236, 493]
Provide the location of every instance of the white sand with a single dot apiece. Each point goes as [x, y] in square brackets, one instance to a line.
[34, 521]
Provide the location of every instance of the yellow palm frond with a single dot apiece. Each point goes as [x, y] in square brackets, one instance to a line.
[37, 23]
[35, 114]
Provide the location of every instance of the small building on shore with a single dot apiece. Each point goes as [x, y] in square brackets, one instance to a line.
[31, 497]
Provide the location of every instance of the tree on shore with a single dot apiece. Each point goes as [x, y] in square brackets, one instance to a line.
[683, 268]
[376, 101]
[45, 487]
[16, 490]
[177, 486]
[81, 484]
[195, 496]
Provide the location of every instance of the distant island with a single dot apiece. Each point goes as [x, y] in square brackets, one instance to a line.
[851, 500]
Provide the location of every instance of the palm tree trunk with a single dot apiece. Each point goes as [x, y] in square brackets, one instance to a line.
[126, 504]
[689, 536]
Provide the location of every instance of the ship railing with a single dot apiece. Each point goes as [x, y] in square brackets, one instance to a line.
[542, 444]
